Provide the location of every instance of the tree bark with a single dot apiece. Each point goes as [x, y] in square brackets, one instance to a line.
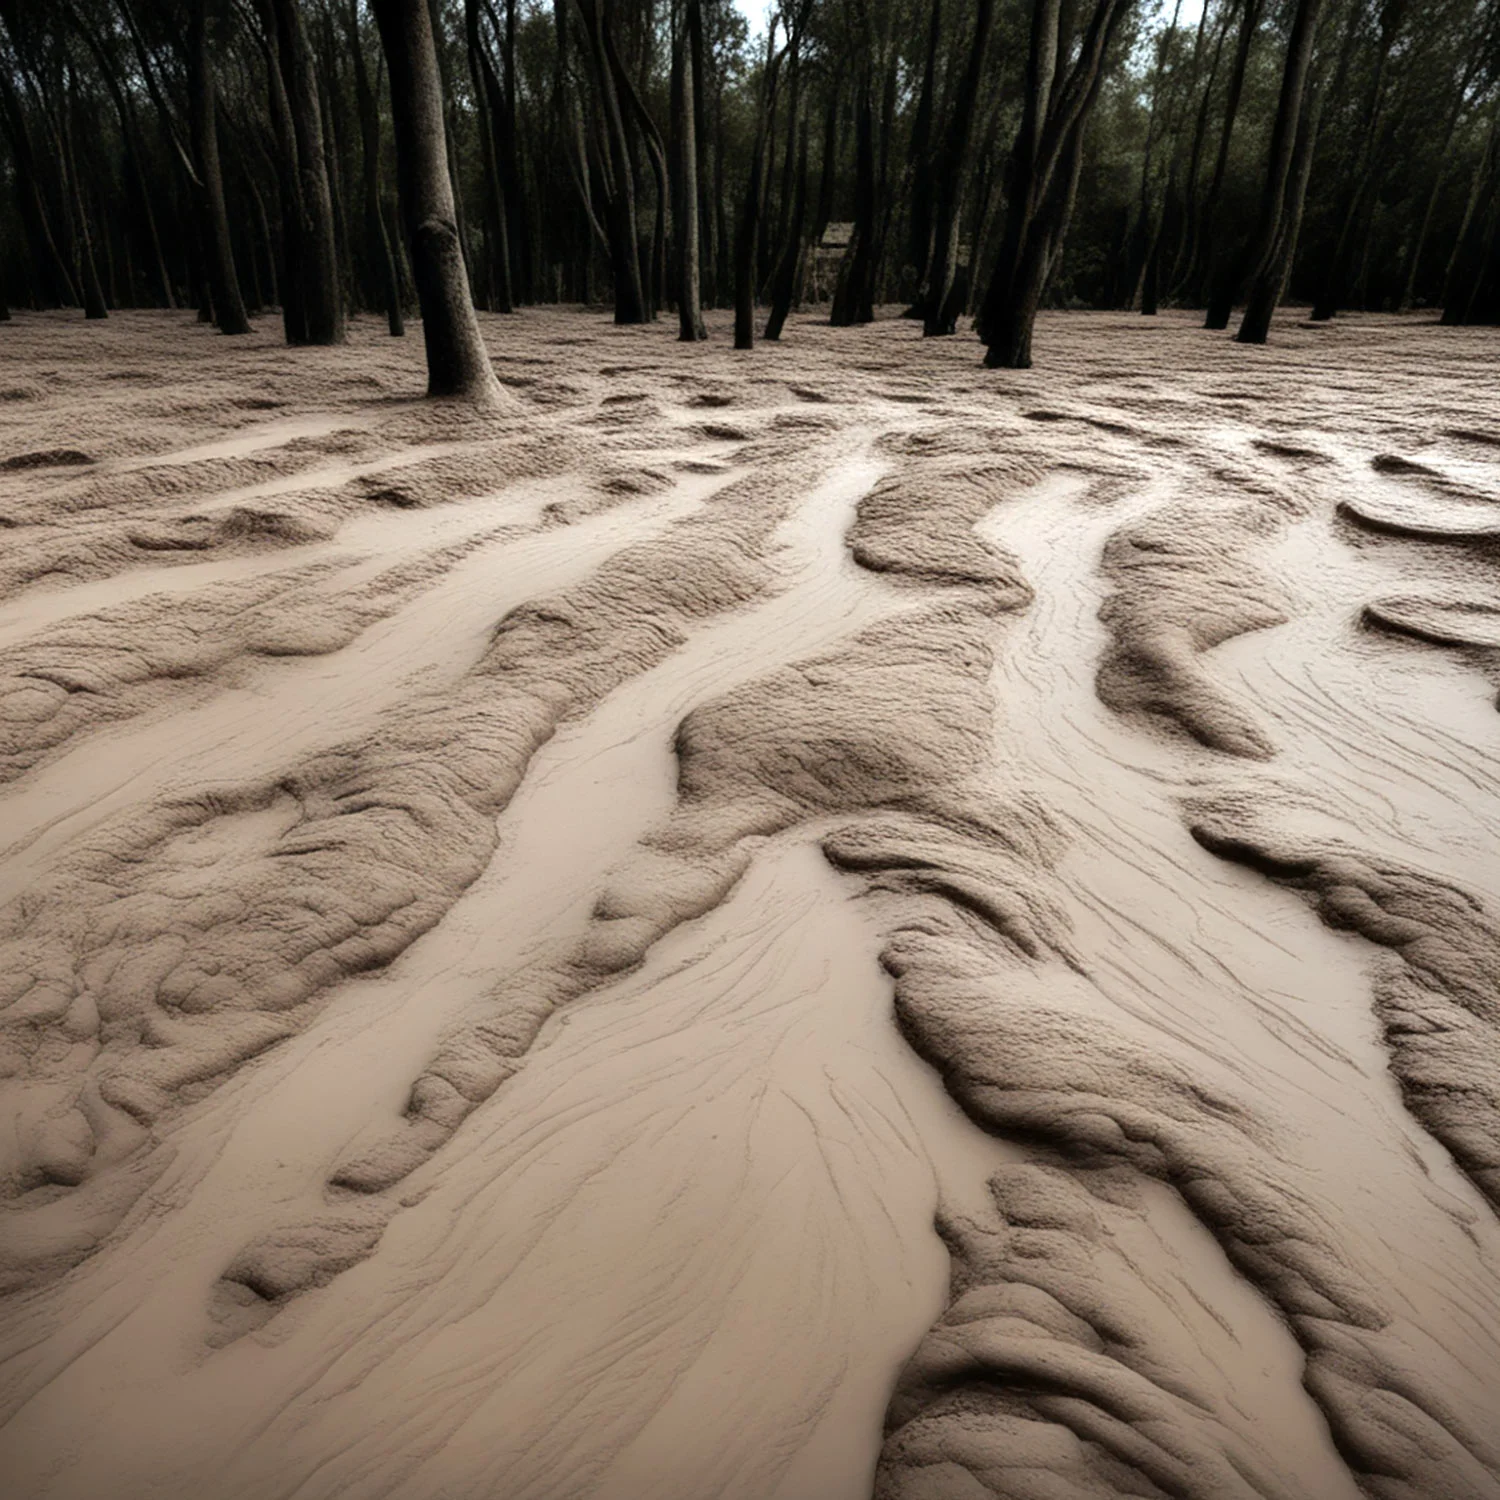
[223, 283]
[784, 280]
[490, 99]
[624, 250]
[457, 364]
[1269, 287]
[1335, 290]
[1272, 220]
[377, 242]
[685, 110]
[941, 316]
[317, 266]
[1219, 266]
[926, 172]
[1042, 174]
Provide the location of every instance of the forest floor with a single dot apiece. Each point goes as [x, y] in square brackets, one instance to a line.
[516, 930]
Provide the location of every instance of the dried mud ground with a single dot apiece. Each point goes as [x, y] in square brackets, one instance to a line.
[779, 927]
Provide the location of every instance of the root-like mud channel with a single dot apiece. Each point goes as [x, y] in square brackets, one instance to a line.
[809, 925]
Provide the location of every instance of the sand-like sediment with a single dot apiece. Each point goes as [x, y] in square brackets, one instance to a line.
[789, 927]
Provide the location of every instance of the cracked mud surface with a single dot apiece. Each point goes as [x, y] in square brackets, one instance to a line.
[798, 926]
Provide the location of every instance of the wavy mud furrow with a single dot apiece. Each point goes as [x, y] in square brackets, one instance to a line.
[744, 930]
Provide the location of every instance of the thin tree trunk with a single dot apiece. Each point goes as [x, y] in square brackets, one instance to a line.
[1334, 290]
[457, 364]
[744, 248]
[1281, 207]
[1148, 223]
[1042, 174]
[783, 283]
[685, 110]
[949, 171]
[491, 103]
[853, 296]
[1219, 268]
[223, 283]
[656, 154]
[630, 297]
[52, 271]
[377, 242]
[927, 173]
[317, 265]
[1465, 272]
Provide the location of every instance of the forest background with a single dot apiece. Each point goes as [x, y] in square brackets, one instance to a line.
[961, 158]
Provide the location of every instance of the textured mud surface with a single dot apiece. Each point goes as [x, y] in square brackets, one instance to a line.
[794, 926]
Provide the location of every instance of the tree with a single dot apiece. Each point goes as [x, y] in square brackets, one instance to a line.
[941, 309]
[312, 261]
[744, 257]
[686, 109]
[1268, 250]
[1361, 172]
[457, 364]
[1217, 258]
[1042, 172]
[223, 281]
[377, 244]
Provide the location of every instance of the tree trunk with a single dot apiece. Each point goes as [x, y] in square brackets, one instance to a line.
[1414, 261]
[784, 281]
[656, 154]
[457, 364]
[685, 110]
[1220, 268]
[1334, 290]
[853, 296]
[1187, 233]
[1042, 174]
[1148, 221]
[624, 251]
[744, 244]
[131, 149]
[926, 172]
[490, 99]
[223, 283]
[1466, 266]
[517, 236]
[316, 268]
[1272, 218]
[377, 242]
[94, 303]
[1269, 287]
[949, 170]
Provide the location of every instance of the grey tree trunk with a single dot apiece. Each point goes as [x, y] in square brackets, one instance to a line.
[941, 311]
[377, 242]
[457, 364]
[318, 268]
[685, 111]
[223, 283]
[1276, 204]
[1042, 175]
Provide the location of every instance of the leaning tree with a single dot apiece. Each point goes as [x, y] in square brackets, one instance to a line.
[1064, 68]
[457, 364]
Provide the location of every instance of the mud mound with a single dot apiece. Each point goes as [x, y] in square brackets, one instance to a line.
[1443, 622]
[47, 458]
[1185, 582]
